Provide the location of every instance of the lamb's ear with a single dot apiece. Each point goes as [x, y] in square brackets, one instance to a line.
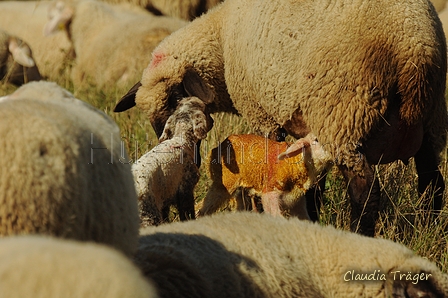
[294, 149]
[194, 85]
[20, 53]
[128, 100]
[202, 124]
[59, 15]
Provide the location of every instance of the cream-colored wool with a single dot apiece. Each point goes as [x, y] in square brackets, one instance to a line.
[26, 19]
[45, 267]
[17, 64]
[251, 162]
[63, 170]
[168, 174]
[348, 67]
[112, 45]
[439, 5]
[182, 9]
[246, 254]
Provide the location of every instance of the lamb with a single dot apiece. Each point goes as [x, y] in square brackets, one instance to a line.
[103, 57]
[63, 170]
[250, 162]
[370, 90]
[26, 19]
[37, 266]
[17, 65]
[168, 173]
[246, 254]
[182, 9]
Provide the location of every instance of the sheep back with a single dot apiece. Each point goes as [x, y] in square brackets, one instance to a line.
[36, 266]
[245, 254]
[63, 172]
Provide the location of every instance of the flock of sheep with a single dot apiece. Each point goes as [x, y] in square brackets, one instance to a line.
[355, 82]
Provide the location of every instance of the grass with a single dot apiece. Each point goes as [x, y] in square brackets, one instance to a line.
[400, 218]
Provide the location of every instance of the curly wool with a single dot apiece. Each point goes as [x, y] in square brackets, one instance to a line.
[245, 254]
[63, 170]
[340, 64]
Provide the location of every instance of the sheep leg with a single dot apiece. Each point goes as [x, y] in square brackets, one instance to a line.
[215, 198]
[271, 203]
[185, 205]
[314, 197]
[429, 176]
[364, 192]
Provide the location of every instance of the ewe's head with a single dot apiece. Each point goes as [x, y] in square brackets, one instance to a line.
[189, 120]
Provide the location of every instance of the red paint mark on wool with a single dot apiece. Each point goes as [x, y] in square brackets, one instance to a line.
[156, 59]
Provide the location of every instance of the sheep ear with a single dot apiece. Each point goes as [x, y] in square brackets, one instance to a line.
[424, 288]
[128, 100]
[20, 53]
[201, 124]
[194, 85]
[59, 15]
[294, 149]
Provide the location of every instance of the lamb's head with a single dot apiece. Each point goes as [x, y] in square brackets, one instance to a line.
[314, 154]
[60, 15]
[190, 120]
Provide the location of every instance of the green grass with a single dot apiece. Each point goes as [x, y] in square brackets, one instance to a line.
[400, 218]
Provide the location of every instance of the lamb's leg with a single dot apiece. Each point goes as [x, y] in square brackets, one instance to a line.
[215, 198]
[271, 203]
[364, 192]
[314, 197]
[185, 204]
[429, 176]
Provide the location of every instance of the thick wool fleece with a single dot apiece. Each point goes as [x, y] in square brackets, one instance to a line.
[245, 254]
[26, 19]
[349, 68]
[113, 45]
[63, 172]
[44, 267]
[182, 9]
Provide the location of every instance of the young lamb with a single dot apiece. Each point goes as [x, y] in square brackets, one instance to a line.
[250, 162]
[26, 19]
[245, 254]
[111, 44]
[46, 267]
[366, 77]
[63, 173]
[17, 65]
[182, 9]
[168, 173]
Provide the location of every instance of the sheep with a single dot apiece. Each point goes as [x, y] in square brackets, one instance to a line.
[246, 254]
[64, 173]
[370, 90]
[103, 57]
[168, 173]
[250, 162]
[17, 65]
[37, 266]
[182, 9]
[26, 19]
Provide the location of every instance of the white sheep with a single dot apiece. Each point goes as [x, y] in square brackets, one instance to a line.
[366, 77]
[63, 170]
[250, 162]
[111, 45]
[17, 65]
[168, 173]
[46, 267]
[26, 19]
[183, 9]
[246, 254]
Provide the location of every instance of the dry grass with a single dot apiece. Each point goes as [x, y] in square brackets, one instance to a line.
[400, 218]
